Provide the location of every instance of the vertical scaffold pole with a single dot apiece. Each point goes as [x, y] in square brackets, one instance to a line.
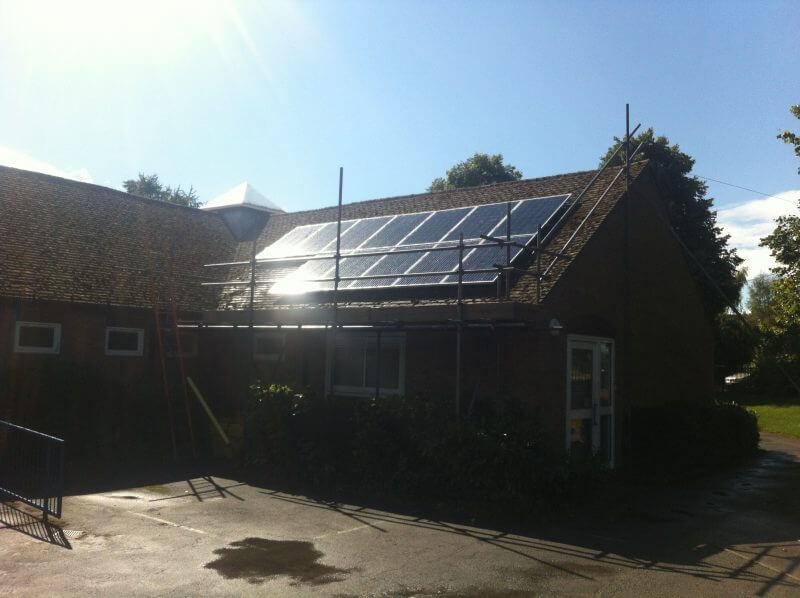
[538, 265]
[627, 264]
[508, 250]
[459, 322]
[332, 368]
[378, 365]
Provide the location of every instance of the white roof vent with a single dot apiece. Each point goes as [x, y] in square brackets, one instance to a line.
[242, 195]
[244, 210]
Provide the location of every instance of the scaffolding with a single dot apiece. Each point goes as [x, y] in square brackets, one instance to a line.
[507, 273]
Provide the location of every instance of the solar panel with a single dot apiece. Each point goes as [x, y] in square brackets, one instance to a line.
[288, 243]
[408, 240]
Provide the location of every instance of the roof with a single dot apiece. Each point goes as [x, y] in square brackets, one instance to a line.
[524, 288]
[242, 195]
[65, 240]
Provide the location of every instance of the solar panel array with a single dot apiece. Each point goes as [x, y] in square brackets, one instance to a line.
[405, 242]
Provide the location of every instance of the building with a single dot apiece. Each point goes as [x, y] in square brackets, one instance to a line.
[91, 275]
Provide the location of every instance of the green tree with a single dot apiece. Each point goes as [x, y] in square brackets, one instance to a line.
[760, 302]
[784, 245]
[792, 138]
[480, 169]
[148, 185]
[734, 346]
[691, 216]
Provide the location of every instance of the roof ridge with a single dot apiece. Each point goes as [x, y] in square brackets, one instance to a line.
[459, 190]
[120, 194]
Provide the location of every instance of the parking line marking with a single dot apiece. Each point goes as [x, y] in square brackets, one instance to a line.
[759, 562]
[344, 531]
[186, 527]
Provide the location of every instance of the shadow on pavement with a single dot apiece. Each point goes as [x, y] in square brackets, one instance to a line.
[21, 521]
[737, 526]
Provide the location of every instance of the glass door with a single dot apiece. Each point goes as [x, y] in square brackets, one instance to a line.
[590, 398]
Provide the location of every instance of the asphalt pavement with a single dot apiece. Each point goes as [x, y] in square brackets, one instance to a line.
[736, 533]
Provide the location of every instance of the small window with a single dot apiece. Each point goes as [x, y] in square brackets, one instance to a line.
[355, 364]
[37, 337]
[269, 346]
[124, 341]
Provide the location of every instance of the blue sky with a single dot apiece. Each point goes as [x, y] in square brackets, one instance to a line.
[282, 94]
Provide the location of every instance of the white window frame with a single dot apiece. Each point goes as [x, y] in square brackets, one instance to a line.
[595, 411]
[273, 357]
[342, 339]
[54, 349]
[138, 352]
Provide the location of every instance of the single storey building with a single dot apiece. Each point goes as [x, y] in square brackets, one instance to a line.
[564, 293]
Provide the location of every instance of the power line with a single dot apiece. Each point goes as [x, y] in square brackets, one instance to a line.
[705, 178]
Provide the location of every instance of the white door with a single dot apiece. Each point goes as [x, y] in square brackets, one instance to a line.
[590, 398]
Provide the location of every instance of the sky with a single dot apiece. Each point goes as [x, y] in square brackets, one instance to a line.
[280, 94]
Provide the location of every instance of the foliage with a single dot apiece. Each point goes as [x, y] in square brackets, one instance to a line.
[691, 216]
[688, 437]
[412, 447]
[402, 446]
[792, 138]
[480, 169]
[734, 346]
[778, 301]
[760, 302]
[148, 185]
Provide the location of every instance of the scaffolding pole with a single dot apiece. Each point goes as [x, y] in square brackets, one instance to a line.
[459, 322]
[626, 307]
[332, 368]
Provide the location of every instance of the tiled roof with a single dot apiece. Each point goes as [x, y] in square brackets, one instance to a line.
[70, 241]
[64, 240]
[524, 289]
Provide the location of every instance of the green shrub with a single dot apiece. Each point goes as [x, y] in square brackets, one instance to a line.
[689, 437]
[402, 446]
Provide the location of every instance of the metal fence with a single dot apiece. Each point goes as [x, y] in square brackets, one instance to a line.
[31, 468]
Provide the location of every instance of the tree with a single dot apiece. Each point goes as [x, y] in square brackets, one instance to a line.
[691, 216]
[760, 303]
[784, 245]
[734, 346]
[480, 169]
[792, 138]
[149, 186]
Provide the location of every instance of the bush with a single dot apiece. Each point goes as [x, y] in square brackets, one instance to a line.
[400, 446]
[687, 437]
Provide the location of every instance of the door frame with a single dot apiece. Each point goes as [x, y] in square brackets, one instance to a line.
[594, 412]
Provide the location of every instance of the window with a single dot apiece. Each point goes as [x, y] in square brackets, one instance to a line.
[124, 341]
[355, 364]
[37, 337]
[268, 346]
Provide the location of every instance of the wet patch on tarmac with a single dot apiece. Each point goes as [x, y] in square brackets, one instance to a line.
[124, 496]
[259, 559]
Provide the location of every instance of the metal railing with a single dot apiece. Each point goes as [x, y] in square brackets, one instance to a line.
[31, 468]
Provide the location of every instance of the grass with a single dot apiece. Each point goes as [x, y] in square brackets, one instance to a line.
[780, 418]
[776, 415]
